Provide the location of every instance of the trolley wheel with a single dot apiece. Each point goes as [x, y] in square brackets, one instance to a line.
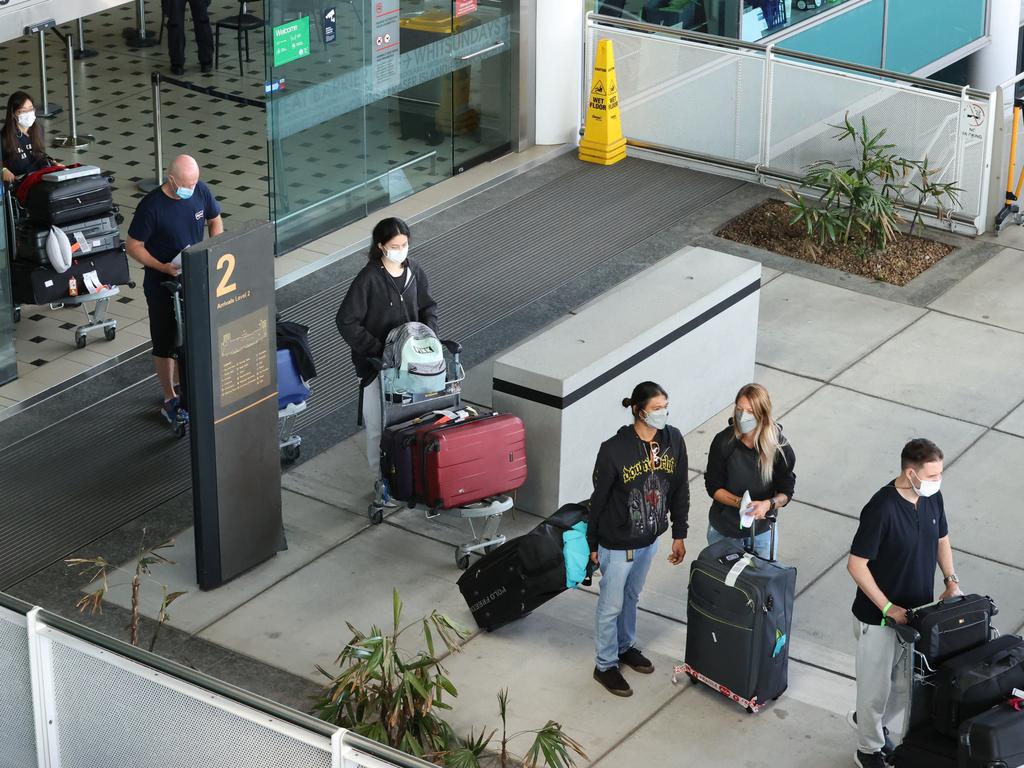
[109, 333]
[80, 341]
[17, 314]
[178, 428]
[290, 453]
[750, 710]
[376, 514]
[490, 548]
[461, 559]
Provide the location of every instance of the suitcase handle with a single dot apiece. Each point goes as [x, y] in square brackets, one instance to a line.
[773, 518]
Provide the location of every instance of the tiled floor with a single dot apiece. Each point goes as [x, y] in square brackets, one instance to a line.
[114, 104]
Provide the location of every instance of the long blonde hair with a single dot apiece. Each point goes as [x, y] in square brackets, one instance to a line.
[768, 439]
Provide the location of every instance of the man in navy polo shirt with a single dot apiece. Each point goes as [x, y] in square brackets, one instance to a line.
[902, 536]
[177, 214]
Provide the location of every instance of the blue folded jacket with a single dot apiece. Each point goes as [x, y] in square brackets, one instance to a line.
[577, 554]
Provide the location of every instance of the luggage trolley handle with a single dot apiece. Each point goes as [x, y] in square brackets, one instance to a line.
[773, 519]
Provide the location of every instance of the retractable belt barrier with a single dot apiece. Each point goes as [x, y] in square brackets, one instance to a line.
[158, 147]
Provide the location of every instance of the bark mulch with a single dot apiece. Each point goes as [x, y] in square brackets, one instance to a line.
[767, 226]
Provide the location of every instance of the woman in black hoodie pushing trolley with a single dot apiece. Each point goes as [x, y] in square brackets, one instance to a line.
[639, 482]
[389, 291]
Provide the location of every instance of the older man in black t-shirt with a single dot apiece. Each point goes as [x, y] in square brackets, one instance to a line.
[901, 537]
[177, 214]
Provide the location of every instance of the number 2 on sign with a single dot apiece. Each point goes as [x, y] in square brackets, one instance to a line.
[226, 263]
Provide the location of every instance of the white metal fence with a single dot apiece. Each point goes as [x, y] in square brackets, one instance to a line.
[77, 699]
[767, 114]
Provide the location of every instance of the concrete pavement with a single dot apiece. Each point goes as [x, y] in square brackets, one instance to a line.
[853, 376]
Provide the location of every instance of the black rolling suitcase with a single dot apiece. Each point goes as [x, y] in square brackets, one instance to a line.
[93, 235]
[974, 681]
[951, 627]
[64, 202]
[925, 749]
[522, 574]
[739, 615]
[993, 738]
[397, 447]
[42, 285]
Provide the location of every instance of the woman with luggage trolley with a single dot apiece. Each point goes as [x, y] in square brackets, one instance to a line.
[389, 291]
[749, 456]
[640, 480]
[24, 149]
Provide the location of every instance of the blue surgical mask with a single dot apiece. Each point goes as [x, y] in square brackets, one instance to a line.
[184, 192]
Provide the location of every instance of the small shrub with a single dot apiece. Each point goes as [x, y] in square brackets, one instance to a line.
[860, 203]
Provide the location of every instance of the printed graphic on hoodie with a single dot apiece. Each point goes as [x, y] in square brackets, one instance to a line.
[648, 505]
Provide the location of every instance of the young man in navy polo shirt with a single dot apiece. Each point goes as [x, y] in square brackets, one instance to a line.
[177, 214]
[901, 538]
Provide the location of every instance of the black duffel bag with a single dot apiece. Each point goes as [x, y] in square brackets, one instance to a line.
[952, 626]
[974, 681]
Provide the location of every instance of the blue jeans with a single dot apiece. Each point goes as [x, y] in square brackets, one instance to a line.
[621, 583]
[762, 542]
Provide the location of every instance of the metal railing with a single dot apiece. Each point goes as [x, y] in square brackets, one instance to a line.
[76, 698]
[765, 114]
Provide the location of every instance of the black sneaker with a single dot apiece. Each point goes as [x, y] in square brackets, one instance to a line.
[888, 748]
[177, 69]
[636, 661]
[613, 681]
[869, 760]
[206, 68]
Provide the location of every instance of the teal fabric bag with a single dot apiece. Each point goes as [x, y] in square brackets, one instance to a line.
[577, 554]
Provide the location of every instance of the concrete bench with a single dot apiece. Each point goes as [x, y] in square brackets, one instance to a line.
[689, 323]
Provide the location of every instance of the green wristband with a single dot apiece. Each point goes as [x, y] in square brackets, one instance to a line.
[885, 611]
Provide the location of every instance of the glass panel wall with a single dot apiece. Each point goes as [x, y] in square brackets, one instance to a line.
[854, 36]
[768, 17]
[385, 99]
[914, 40]
[715, 17]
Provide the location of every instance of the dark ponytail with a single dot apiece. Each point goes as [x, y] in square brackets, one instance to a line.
[383, 232]
[642, 394]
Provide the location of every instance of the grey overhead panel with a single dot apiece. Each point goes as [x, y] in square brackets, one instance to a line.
[16, 15]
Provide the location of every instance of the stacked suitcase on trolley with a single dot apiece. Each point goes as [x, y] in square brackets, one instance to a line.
[78, 203]
[967, 699]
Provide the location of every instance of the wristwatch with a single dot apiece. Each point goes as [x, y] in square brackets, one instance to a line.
[951, 578]
[772, 504]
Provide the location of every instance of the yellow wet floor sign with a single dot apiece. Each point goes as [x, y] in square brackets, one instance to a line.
[602, 136]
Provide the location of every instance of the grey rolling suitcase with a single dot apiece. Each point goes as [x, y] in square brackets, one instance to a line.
[739, 615]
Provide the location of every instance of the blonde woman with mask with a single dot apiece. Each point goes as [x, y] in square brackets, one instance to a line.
[750, 455]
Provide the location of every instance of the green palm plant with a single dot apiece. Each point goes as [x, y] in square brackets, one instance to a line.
[860, 202]
[396, 696]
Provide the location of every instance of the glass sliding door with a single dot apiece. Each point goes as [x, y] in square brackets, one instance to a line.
[373, 100]
[8, 362]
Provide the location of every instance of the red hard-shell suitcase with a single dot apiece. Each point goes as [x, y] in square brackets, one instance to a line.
[462, 463]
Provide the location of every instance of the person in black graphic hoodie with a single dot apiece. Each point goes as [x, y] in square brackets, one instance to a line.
[389, 291]
[639, 482]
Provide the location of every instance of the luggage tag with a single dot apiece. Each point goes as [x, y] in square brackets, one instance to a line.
[82, 242]
[780, 643]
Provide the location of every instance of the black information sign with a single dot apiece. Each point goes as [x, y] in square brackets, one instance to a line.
[330, 24]
[231, 376]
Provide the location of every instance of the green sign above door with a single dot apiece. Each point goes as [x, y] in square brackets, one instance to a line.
[291, 41]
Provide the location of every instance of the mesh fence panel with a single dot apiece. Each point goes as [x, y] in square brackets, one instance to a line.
[110, 716]
[18, 743]
[687, 96]
[919, 124]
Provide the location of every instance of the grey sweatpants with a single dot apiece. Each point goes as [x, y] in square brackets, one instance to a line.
[884, 674]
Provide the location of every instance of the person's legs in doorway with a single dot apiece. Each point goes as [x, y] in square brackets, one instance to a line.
[176, 35]
[204, 33]
[628, 652]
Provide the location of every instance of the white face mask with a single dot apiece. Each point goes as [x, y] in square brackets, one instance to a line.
[656, 419]
[27, 119]
[927, 487]
[397, 256]
[745, 422]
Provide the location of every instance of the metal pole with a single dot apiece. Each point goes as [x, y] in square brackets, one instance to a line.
[140, 37]
[72, 140]
[48, 110]
[81, 52]
[158, 142]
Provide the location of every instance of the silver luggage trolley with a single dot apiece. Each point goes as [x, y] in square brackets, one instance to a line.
[96, 318]
[400, 407]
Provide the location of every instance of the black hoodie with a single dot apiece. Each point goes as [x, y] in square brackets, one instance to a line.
[631, 502]
[374, 305]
